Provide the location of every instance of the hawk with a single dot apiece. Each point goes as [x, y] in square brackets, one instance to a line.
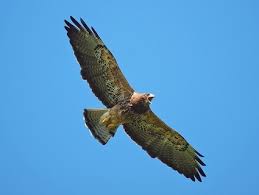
[125, 106]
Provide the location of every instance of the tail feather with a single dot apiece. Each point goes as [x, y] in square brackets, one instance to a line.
[98, 130]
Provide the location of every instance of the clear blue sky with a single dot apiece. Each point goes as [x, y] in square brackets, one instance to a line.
[200, 59]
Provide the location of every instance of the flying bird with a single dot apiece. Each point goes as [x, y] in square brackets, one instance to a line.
[125, 106]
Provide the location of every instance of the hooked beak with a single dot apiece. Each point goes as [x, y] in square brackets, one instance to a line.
[150, 97]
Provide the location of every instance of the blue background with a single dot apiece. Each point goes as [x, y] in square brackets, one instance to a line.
[200, 59]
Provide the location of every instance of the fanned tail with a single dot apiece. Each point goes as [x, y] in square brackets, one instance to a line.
[98, 130]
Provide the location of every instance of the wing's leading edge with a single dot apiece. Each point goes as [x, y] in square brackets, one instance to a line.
[164, 143]
[98, 66]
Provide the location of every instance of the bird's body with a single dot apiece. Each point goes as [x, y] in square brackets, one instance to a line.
[127, 107]
[124, 110]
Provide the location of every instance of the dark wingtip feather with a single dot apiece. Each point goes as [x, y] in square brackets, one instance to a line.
[200, 161]
[201, 171]
[192, 178]
[73, 19]
[77, 23]
[67, 28]
[199, 154]
[95, 33]
[67, 23]
[197, 176]
[71, 26]
[85, 25]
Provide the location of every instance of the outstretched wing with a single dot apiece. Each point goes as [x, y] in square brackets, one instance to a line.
[160, 141]
[98, 66]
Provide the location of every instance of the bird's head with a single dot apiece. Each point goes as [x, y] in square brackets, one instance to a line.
[149, 97]
[140, 101]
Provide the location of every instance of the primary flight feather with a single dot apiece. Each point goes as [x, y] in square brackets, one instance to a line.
[125, 106]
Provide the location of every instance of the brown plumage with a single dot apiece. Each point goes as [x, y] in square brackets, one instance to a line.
[127, 107]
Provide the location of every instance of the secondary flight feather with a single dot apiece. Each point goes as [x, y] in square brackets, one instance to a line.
[125, 106]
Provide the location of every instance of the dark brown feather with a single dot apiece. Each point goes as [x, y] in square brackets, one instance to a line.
[77, 23]
[166, 144]
[95, 33]
[98, 65]
[85, 25]
[100, 69]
